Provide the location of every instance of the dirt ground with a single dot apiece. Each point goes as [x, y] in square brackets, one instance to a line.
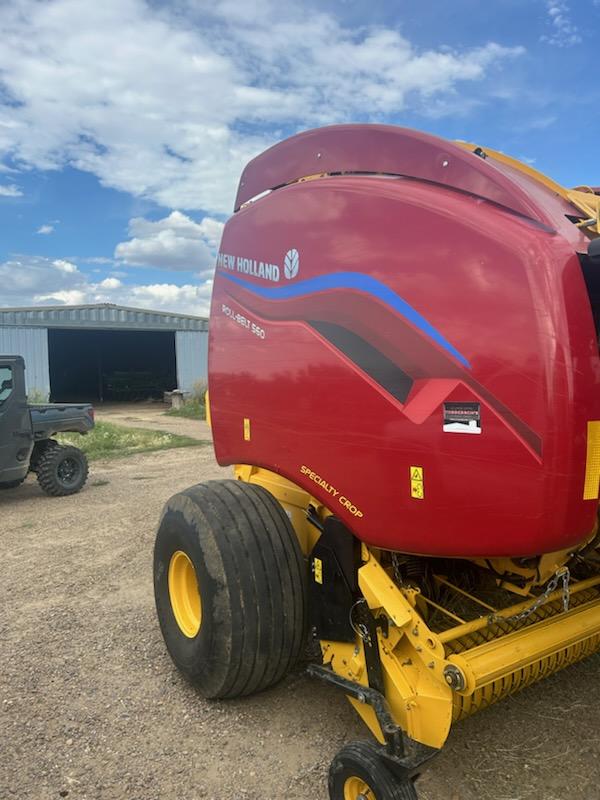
[152, 415]
[92, 708]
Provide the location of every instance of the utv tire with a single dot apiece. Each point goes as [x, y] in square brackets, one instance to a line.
[39, 449]
[358, 771]
[230, 587]
[62, 470]
[11, 484]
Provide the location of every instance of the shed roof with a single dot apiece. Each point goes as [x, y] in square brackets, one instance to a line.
[101, 315]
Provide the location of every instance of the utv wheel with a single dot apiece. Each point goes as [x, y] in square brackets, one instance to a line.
[11, 484]
[230, 587]
[358, 773]
[62, 470]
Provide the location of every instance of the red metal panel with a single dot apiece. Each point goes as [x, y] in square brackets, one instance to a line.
[555, 207]
[490, 309]
[382, 149]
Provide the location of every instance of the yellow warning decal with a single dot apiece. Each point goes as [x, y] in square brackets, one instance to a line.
[592, 462]
[318, 570]
[246, 429]
[416, 490]
[417, 481]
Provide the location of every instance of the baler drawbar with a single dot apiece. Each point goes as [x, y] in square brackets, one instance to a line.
[404, 372]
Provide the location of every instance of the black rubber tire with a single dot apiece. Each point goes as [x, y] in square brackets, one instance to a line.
[39, 449]
[51, 467]
[12, 484]
[251, 579]
[362, 760]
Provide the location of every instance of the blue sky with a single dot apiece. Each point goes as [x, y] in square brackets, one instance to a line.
[124, 124]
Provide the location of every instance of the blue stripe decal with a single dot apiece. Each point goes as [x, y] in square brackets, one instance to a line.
[351, 280]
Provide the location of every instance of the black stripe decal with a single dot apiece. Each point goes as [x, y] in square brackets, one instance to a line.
[370, 360]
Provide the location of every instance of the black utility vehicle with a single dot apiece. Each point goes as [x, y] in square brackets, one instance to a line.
[26, 443]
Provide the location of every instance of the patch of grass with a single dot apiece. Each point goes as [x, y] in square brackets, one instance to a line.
[192, 409]
[108, 440]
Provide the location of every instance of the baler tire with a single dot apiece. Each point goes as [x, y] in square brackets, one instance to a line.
[57, 482]
[248, 623]
[360, 763]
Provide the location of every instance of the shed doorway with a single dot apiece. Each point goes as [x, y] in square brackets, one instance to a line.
[110, 365]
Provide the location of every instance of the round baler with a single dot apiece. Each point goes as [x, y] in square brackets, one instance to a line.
[404, 370]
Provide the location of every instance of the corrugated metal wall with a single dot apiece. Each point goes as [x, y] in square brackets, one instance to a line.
[103, 315]
[191, 348]
[32, 344]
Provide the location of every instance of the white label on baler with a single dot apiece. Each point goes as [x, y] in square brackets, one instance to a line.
[462, 418]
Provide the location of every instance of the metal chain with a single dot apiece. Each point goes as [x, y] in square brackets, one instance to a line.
[397, 572]
[563, 574]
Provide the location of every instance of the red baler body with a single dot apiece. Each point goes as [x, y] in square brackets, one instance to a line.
[457, 283]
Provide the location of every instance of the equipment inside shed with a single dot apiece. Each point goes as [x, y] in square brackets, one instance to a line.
[110, 365]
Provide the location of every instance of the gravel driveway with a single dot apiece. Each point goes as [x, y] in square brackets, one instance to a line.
[93, 709]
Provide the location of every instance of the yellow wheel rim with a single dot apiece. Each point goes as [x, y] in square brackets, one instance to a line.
[184, 594]
[357, 789]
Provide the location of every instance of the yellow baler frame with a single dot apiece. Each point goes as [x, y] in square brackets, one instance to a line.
[582, 197]
[433, 678]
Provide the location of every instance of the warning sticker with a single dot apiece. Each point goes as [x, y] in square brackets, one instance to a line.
[462, 417]
[318, 570]
[417, 490]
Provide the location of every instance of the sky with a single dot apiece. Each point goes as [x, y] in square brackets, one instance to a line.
[125, 124]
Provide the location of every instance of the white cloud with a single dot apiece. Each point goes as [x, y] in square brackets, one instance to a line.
[175, 242]
[564, 32]
[45, 229]
[10, 190]
[110, 283]
[28, 281]
[64, 266]
[67, 297]
[96, 260]
[24, 277]
[187, 299]
[192, 90]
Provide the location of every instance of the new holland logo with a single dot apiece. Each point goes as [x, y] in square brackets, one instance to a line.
[291, 264]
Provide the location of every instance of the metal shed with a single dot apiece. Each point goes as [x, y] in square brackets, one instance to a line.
[105, 352]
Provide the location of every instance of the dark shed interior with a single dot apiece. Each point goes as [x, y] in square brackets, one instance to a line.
[110, 365]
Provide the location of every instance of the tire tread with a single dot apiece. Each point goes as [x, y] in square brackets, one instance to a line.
[362, 758]
[46, 468]
[263, 575]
